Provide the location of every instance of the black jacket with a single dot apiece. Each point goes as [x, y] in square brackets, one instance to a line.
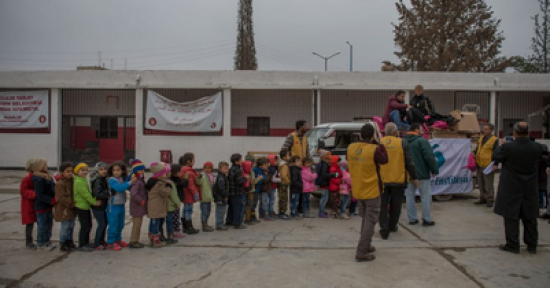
[420, 103]
[45, 193]
[179, 186]
[323, 177]
[221, 189]
[296, 184]
[517, 195]
[236, 181]
[100, 190]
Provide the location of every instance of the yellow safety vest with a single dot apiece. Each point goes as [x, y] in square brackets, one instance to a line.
[394, 171]
[364, 178]
[484, 153]
[298, 147]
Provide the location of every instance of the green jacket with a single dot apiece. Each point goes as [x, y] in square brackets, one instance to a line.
[174, 201]
[83, 198]
[206, 188]
[423, 156]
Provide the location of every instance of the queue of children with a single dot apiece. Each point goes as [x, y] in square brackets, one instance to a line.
[238, 192]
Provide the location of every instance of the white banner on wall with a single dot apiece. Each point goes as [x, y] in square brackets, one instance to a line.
[24, 109]
[452, 159]
[202, 115]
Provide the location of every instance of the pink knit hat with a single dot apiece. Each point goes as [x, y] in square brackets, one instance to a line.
[159, 168]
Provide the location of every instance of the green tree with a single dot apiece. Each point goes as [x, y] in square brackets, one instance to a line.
[448, 35]
[539, 61]
[245, 53]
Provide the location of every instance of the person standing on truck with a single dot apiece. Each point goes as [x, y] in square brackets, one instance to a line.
[364, 160]
[486, 146]
[395, 178]
[296, 143]
[426, 168]
[396, 110]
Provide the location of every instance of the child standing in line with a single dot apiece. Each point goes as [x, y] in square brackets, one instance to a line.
[44, 186]
[308, 179]
[138, 201]
[159, 189]
[191, 193]
[296, 185]
[64, 208]
[345, 189]
[117, 173]
[284, 173]
[250, 194]
[173, 204]
[221, 195]
[206, 182]
[237, 191]
[28, 215]
[100, 190]
[334, 185]
[273, 171]
[263, 186]
[83, 199]
[175, 176]
[323, 179]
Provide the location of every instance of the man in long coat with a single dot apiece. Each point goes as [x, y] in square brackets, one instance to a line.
[517, 196]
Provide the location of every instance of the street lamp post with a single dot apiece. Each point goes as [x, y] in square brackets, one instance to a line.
[350, 56]
[326, 58]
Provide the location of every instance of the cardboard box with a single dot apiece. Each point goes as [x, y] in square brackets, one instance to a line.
[447, 134]
[468, 121]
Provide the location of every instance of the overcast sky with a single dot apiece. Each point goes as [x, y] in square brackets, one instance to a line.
[200, 34]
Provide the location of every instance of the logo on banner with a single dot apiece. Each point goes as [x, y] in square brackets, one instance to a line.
[213, 125]
[439, 157]
[152, 121]
[42, 119]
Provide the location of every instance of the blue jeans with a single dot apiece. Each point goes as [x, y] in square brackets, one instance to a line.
[395, 117]
[268, 200]
[206, 208]
[425, 188]
[221, 209]
[305, 202]
[237, 205]
[187, 211]
[170, 223]
[66, 231]
[154, 226]
[115, 217]
[294, 199]
[101, 220]
[45, 225]
[323, 201]
[343, 203]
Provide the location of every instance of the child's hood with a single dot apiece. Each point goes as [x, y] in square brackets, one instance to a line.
[272, 159]
[282, 162]
[187, 169]
[334, 160]
[247, 167]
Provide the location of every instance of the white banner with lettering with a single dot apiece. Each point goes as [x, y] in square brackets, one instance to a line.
[24, 109]
[202, 115]
[454, 176]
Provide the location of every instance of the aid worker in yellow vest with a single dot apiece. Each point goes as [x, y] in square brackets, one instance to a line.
[364, 160]
[486, 146]
[395, 176]
[296, 143]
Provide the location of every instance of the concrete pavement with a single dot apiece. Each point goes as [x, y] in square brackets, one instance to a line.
[460, 251]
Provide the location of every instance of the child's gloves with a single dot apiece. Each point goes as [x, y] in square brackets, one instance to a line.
[196, 197]
[336, 174]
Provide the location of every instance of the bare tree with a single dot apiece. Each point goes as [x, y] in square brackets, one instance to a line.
[245, 53]
[448, 35]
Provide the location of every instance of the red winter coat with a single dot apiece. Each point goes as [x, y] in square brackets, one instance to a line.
[26, 189]
[334, 183]
[393, 104]
[192, 188]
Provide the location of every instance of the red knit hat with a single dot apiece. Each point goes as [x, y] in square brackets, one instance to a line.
[208, 164]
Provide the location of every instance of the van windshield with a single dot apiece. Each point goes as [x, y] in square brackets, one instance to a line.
[313, 136]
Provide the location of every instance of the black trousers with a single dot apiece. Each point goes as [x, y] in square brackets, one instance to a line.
[85, 220]
[28, 232]
[389, 216]
[530, 232]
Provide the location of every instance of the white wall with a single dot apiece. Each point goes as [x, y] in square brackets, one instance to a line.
[18, 147]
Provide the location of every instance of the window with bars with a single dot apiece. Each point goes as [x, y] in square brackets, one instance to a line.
[258, 126]
[108, 127]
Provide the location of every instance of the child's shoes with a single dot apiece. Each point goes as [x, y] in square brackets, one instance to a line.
[114, 247]
[122, 244]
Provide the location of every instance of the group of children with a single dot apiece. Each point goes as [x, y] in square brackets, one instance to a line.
[237, 191]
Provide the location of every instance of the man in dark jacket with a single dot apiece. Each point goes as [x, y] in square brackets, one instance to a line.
[517, 196]
[236, 191]
[396, 110]
[395, 178]
[421, 106]
[426, 168]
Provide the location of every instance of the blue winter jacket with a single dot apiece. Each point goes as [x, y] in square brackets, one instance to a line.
[257, 172]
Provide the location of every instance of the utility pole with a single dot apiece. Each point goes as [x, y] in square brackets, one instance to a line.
[326, 58]
[350, 56]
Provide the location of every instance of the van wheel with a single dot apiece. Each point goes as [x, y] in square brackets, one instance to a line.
[443, 197]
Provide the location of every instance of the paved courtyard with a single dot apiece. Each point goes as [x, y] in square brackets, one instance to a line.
[460, 251]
